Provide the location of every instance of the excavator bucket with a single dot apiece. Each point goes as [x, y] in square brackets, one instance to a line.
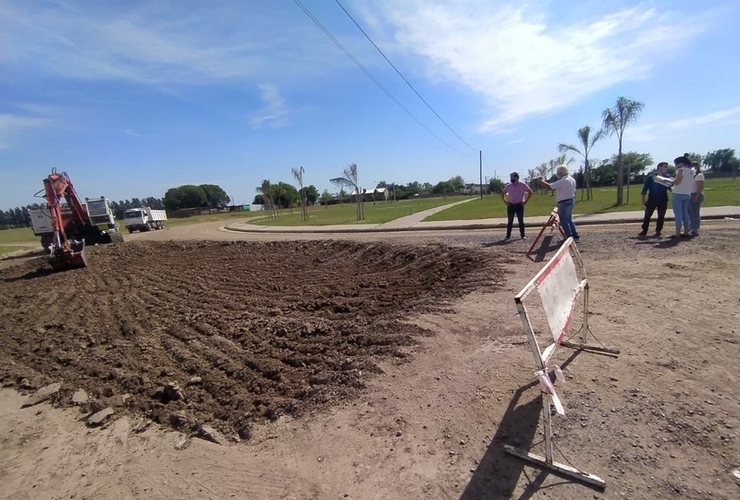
[74, 258]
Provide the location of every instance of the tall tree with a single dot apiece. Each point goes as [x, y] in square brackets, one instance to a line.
[298, 174]
[457, 182]
[721, 160]
[349, 179]
[312, 194]
[216, 197]
[587, 142]
[616, 119]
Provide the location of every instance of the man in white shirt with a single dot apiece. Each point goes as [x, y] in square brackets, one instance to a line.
[565, 196]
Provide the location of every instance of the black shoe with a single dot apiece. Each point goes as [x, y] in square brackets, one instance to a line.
[657, 234]
[642, 233]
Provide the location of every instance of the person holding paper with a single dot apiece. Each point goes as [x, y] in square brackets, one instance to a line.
[682, 196]
[655, 196]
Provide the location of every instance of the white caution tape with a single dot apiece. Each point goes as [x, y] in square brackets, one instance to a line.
[549, 389]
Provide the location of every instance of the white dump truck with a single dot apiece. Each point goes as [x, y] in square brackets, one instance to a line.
[144, 219]
[92, 222]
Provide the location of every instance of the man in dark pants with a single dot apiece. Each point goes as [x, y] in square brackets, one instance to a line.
[515, 194]
[657, 197]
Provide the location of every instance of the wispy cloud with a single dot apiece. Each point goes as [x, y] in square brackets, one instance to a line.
[161, 44]
[275, 113]
[651, 132]
[704, 119]
[517, 141]
[522, 60]
[133, 134]
[13, 124]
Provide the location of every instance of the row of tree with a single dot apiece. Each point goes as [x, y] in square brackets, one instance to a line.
[615, 121]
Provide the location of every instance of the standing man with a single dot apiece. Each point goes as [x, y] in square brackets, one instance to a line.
[515, 194]
[657, 197]
[565, 196]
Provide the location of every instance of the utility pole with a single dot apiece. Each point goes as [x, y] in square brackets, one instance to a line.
[480, 163]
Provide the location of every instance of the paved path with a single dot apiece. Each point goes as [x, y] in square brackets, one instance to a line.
[415, 222]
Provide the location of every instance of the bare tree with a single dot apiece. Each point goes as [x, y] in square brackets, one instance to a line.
[298, 174]
[616, 120]
[349, 180]
[588, 141]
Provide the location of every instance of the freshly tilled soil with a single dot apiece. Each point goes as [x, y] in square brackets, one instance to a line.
[224, 334]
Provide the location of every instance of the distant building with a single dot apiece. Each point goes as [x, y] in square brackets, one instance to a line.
[377, 194]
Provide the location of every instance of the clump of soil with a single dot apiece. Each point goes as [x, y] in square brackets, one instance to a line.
[224, 334]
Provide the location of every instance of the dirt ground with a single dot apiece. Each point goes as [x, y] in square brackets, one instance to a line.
[364, 366]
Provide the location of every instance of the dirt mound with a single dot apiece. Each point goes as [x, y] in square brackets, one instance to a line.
[223, 333]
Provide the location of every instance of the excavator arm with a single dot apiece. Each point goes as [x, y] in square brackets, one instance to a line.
[68, 247]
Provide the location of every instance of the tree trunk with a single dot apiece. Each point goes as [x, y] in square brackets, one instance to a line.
[620, 173]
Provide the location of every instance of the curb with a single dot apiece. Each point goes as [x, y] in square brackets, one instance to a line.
[441, 227]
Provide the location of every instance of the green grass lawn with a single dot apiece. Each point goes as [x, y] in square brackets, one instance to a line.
[25, 235]
[346, 213]
[9, 249]
[717, 193]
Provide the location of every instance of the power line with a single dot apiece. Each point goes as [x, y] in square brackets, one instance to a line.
[403, 77]
[369, 75]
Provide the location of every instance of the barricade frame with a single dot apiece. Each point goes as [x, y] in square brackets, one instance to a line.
[552, 222]
[567, 256]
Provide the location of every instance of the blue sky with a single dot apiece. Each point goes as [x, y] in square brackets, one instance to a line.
[132, 98]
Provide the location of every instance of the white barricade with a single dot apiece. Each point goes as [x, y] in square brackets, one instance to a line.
[561, 283]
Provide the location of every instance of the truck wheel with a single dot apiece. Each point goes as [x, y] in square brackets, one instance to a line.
[130, 231]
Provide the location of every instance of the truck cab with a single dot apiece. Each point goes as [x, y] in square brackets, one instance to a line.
[144, 219]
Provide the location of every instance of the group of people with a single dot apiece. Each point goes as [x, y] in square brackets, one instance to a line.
[687, 196]
[516, 194]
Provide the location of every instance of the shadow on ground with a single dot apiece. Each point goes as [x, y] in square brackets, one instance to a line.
[498, 472]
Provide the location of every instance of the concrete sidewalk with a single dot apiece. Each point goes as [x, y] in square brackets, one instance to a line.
[415, 222]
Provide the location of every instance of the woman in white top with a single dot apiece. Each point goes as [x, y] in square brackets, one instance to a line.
[682, 186]
[697, 197]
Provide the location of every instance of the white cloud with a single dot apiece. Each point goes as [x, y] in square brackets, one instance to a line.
[12, 124]
[162, 43]
[275, 113]
[523, 61]
[130, 132]
[704, 119]
[651, 132]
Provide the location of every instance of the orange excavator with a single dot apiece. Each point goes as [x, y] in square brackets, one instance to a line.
[68, 228]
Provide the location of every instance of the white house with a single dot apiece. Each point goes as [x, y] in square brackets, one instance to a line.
[372, 194]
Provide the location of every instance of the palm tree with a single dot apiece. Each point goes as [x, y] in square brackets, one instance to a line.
[616, 120]
[349, 179]
[265, 189]
[542, 171]
[298, 174]
[588, 141]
